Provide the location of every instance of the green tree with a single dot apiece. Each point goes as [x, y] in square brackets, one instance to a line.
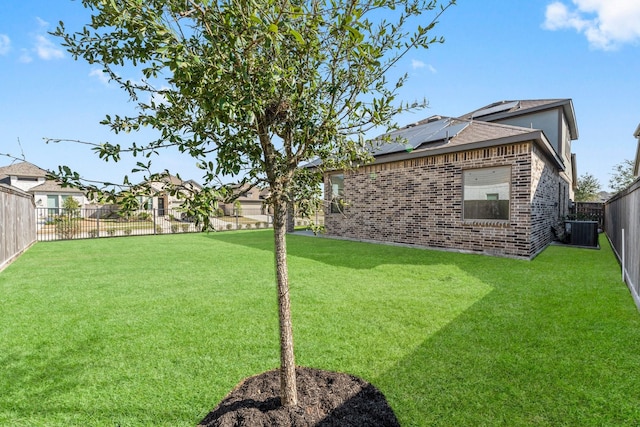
[255, 88]
[622, 176]
[71, 207]
[587, 189]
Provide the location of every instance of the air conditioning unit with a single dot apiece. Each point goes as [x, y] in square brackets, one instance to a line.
[581, 233]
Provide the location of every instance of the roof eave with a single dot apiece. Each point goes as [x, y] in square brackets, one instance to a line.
[536, 136]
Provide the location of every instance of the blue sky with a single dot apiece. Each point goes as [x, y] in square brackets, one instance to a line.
[587, 50]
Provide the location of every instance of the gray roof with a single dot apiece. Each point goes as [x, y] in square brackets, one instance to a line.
[474, 134]
[511, 108]
[50, 186]
[432, 132]
[25, 169]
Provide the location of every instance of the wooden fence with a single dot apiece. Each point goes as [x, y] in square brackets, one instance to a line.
[622, 226]
[17, 223]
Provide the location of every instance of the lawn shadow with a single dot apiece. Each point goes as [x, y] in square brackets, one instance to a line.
[354, 254]
[546, 347]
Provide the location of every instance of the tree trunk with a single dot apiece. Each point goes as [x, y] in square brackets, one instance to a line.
[288, 388]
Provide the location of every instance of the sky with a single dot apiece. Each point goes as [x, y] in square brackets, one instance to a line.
[494, 50]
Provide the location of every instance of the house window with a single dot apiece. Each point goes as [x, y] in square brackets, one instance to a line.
[336, 188]
[145, 203]
[487, 193]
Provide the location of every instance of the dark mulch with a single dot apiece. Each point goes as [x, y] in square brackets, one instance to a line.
[325, 399]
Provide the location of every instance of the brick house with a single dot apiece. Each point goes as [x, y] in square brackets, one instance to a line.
[496, 181]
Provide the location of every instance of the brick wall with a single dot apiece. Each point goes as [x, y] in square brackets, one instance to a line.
[419, 201]
[549, 202]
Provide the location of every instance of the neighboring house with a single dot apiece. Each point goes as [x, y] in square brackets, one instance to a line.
[246, 200]
[161, 198]
[497, 181]
[32, 179]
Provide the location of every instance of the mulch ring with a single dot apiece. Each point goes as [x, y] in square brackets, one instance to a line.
[324, 399]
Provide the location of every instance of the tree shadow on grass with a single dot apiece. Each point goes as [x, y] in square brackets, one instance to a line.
[358, 255]
[543, 348]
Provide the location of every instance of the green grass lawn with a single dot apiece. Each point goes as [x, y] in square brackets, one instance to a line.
[156, 330]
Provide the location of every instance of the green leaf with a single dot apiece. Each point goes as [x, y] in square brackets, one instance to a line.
[297, 36]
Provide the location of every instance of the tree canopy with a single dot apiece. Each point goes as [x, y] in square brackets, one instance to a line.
[587, 188]
[255, 88]
[622, 175]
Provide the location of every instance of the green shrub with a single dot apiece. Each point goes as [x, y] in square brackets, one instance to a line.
[93, 232]
[127, 231]
[144, 216]
[111, 231]
[185, 228]
[175, 228]
[229, 226]
[66, 228]
[159, 229]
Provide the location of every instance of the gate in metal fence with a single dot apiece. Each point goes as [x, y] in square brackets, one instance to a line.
[88, 223]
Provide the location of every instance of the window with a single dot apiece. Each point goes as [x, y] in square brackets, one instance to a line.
[486, 193]
[336, 184]
[145, 203]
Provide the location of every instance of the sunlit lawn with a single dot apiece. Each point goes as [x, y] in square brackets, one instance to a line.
[156, 330]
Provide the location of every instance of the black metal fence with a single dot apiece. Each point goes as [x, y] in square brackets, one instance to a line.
[85, 223]
[587, 211]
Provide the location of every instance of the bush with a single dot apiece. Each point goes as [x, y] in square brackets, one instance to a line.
[93, 232]
[159, 229]
[229, 226]
[144, 216]
[67, 228]
[175, 228]
[127, 231]
[185, 228]
[111, 231]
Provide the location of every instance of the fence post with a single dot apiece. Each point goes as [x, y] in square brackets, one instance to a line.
[623, 257]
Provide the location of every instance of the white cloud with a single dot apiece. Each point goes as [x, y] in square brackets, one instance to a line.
[417, 64]
[5, 44]
[100, 75]
[158, 97]
[606, 24]
[46, 49]
[25, 56]
[42, 23]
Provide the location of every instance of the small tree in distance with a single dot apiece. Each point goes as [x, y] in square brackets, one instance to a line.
[622, 176]
[587, 189]
[255, 89]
